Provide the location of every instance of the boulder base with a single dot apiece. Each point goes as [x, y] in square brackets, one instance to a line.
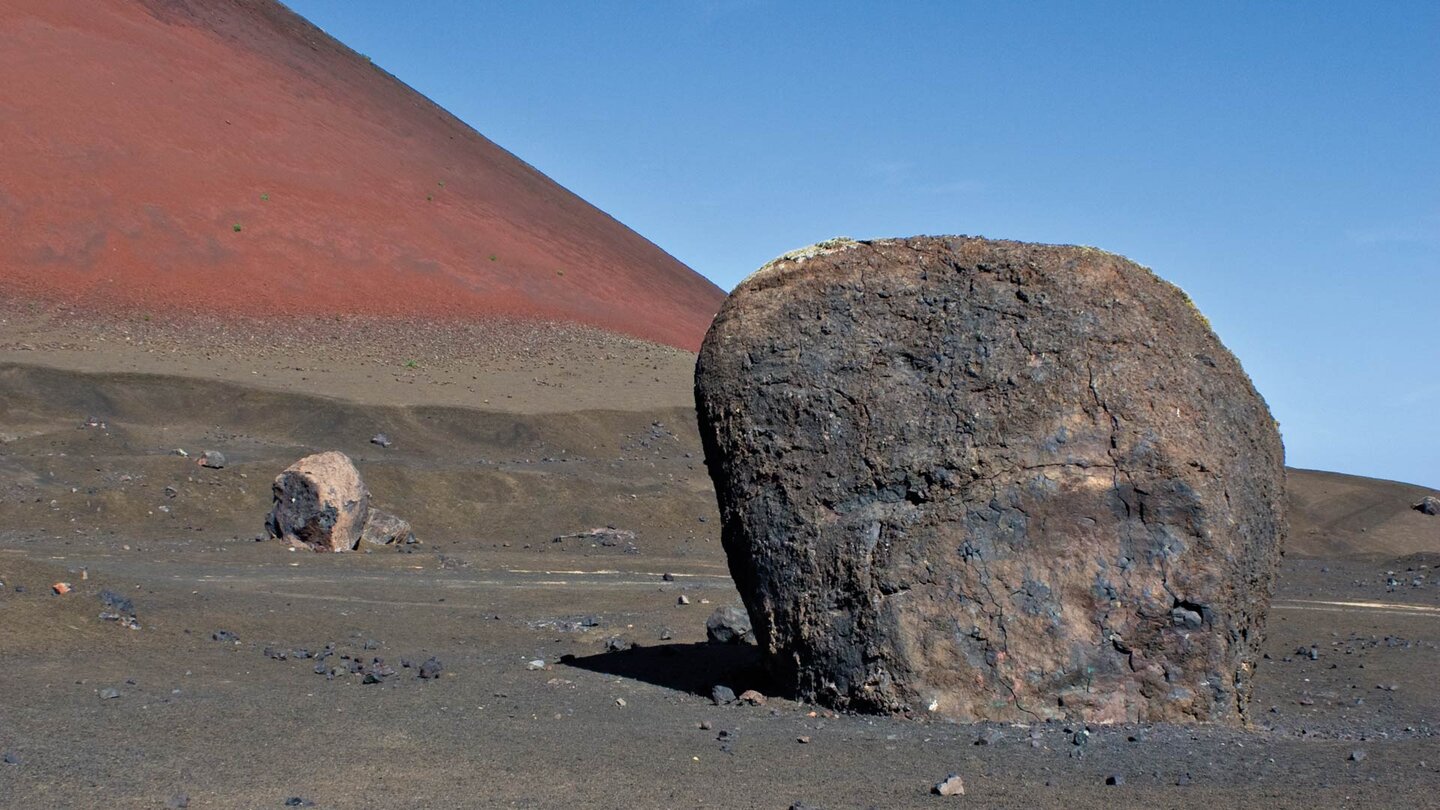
[991, 480]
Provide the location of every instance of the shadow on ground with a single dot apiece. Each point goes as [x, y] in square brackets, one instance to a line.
[694, 668]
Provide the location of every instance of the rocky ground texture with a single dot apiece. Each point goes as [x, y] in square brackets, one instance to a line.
[569, 673]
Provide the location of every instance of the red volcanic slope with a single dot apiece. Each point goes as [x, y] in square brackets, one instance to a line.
[135, 135]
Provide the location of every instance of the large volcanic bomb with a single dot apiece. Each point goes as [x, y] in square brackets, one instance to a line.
[994, 480]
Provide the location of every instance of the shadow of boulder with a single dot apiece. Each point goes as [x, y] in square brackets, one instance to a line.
[694, 668]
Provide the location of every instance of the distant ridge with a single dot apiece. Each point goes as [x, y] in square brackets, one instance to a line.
[226, 156]
[1335, 515]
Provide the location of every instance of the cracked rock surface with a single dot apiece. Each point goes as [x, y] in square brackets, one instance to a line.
[992, 481]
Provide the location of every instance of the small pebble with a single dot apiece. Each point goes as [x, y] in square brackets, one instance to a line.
[952, 786]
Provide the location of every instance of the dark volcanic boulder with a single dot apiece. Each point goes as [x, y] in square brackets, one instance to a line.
[992, 480]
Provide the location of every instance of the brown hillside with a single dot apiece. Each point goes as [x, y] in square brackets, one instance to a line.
[226, 156]
[1335, 516]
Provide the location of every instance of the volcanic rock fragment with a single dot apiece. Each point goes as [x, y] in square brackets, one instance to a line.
[952, 785]
[212, 459]
[385, 529]
[729, 625]
[1429, 505]
[995, 480]
[320, 502]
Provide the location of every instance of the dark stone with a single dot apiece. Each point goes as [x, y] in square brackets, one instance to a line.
[213, 459]
[10, 758]
[431, 668]
[1008, 481]
[1430, 505]
[729, 625]
[1358, 755]
[116, 602]
[381, 439]
[224, 635]
[722, 695]
[1115, 779]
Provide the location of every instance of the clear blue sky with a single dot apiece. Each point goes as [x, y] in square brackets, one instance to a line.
[1277, 160]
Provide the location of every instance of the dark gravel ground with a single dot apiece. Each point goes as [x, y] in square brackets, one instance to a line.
[625, 719]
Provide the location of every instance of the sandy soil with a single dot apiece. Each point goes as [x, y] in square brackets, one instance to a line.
[598, 722]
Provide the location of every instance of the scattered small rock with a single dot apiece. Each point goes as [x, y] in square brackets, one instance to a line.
[535, 665]
[803, 739]
[10, 758]
[953, 785]
[385, 529]
[990, 736]
[118, 608]
[296, 801]
[1115, 779]
[1430, 505]
[224, 635]
[431, 669]
[752, 697]
[1358, 755]
[729, 625]
[62, 588]
[381, 439]
[682, 600]
[722, 695]
[179, 801]
[109, 693]
[607, 537]
[213, 459]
